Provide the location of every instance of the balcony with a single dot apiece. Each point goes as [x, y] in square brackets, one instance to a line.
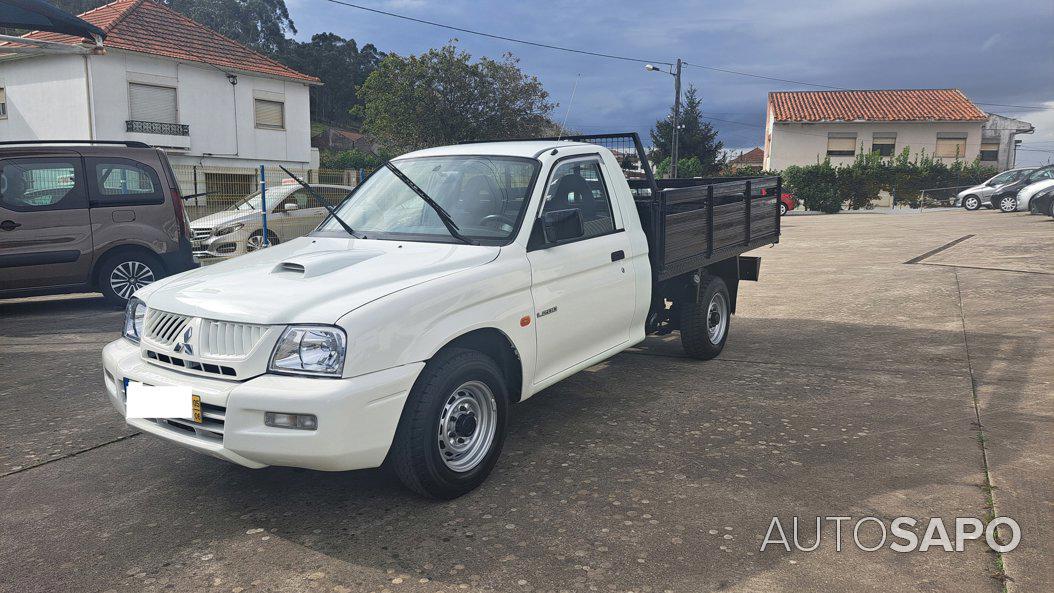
[155, 127]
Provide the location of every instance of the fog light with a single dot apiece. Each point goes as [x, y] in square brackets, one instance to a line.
[297, 421]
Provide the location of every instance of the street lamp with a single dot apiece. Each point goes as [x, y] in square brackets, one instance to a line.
[676, 74]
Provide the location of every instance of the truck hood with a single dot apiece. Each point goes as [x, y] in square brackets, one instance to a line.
[224, 218]
[310, 279]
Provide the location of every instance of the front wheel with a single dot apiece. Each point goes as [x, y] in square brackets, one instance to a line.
[971, 203]
[255, 241]
[783, 209]
[705, 323]
[453, 425]
[1008, 203]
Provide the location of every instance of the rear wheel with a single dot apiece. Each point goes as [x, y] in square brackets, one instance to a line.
[705, 323]
[971, 202]
[1008, 203]
[453, 425]
[124, 273]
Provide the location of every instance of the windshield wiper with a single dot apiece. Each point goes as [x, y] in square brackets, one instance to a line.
[444, 216]
[322, 201]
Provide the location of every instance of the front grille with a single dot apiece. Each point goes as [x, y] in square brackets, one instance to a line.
[229, 339]
[163, 328]
[210, 428]
[201, 234]
[193, 365]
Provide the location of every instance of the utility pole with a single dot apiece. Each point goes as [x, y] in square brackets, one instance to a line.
[675, 72]
[676, 117]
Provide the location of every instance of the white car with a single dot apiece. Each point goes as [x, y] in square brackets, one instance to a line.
[1025, 194]
[456, 281]
[974, 197]
[292, 211]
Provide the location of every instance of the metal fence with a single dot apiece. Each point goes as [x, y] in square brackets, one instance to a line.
[238, 210]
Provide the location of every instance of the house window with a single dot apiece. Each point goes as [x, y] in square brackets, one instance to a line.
[147, 102]
[950, 146]
[884, 143]
[989, 151]
[3, 103]
[841, 144]
[270, 115]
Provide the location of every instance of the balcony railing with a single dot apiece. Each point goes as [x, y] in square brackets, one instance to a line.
[156, 127]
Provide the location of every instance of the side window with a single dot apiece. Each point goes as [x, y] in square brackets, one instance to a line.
[580, 184]
[123, 182]
[302, 198]
[28, 185]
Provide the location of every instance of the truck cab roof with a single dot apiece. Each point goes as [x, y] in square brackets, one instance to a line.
[518, 148]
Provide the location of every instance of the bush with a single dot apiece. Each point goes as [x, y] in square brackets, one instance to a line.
[825, 188]
[689, 167]
[349, 159]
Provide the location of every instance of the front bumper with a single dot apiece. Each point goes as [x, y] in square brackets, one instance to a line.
[223, 246]
[357, 417]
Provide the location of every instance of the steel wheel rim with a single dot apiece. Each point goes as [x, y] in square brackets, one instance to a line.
[716, 318]
[467, 425]
[129, 277]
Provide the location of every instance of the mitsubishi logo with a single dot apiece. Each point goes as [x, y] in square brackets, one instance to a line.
[185, 346]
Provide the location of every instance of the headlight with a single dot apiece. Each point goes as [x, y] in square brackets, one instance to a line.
[133, 319]
[226, 230]
[310, 350]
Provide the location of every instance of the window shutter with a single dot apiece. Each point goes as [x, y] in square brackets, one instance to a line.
[270, 114]
[841, 144]
[152, 103]
[951, 148]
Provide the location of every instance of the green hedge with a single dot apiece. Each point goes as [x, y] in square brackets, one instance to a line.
[826, 188]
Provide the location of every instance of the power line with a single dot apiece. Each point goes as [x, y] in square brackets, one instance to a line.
[501, 37]
[625, 58]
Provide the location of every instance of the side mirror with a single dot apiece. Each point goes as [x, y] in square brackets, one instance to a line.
[291, 206]
[562, 225]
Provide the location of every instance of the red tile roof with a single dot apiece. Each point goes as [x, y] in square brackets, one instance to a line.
[755, 156]
[148, 27]
[889, 105]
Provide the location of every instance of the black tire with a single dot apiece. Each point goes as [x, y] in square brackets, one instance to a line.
[698, 318]
[1008, 203]
[121, 274]
[416, 456]
[971, 202]
[783, 208]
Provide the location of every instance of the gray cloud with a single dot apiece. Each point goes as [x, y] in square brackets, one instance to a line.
[994, 54]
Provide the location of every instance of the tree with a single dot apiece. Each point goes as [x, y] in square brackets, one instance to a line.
[442, 97]
[689, 167]
[696, 138]
[342, 66]
[260, 24]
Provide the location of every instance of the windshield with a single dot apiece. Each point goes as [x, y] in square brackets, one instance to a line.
[1001, 178]
[1040, 174]
[485, 196]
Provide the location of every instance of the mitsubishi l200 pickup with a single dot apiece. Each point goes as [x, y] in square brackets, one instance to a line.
[451, 284]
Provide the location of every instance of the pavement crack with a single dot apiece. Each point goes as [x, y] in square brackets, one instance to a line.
[69, 455]
[988, 488]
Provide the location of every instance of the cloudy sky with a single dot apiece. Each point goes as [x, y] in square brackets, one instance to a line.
[995, 54]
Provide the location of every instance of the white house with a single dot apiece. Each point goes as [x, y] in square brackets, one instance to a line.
[163, 79]
[804, 127]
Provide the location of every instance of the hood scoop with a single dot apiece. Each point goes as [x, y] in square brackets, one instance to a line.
[310, 265]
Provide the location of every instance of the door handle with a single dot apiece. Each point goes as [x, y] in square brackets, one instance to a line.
[9, 225]
[617, 255]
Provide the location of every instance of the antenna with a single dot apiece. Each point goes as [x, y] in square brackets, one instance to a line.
[563, 124]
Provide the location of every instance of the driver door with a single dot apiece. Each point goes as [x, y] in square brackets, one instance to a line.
[584, 289]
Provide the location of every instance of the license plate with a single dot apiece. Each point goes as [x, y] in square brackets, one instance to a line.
[148, 401]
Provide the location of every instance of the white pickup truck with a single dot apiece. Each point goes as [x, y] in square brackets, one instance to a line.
[452, 283]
